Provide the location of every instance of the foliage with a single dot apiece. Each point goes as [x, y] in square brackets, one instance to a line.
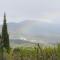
[5, 36]
[34, 53]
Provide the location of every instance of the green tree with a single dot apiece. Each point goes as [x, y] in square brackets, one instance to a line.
[1, 49]
[5, 36]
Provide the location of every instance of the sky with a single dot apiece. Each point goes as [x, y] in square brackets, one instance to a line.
[19, 10]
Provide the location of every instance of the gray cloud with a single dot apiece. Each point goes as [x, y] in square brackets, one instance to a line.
[30, 9]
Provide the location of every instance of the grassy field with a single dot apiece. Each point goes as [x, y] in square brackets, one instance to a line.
[33, 53]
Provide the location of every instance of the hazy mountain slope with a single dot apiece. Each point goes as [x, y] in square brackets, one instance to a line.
[35, 30]
[20, 43]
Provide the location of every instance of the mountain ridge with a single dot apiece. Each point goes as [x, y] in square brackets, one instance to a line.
[34, 30]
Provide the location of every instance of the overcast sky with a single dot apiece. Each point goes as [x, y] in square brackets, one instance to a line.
[19, 10]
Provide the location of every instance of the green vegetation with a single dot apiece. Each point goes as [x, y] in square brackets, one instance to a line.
[36, 52]
[4, 41]
[33, 53]
[5, 36]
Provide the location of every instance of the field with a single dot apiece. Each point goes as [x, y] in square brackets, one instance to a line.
[33, 53]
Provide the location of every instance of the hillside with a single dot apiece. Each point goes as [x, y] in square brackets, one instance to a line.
[37, 31]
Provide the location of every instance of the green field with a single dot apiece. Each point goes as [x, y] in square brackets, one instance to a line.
[33, 53]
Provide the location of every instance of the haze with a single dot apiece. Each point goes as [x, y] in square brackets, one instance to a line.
[19, 10]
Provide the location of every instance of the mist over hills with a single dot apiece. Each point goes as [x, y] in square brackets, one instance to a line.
[35, 31]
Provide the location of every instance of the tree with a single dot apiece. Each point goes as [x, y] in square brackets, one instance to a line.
[1, 49]
[5, 35]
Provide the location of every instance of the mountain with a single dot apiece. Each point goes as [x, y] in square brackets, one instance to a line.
[18, 42]
[36, 31]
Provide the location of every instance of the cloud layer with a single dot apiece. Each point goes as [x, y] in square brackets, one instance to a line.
[18, 10]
